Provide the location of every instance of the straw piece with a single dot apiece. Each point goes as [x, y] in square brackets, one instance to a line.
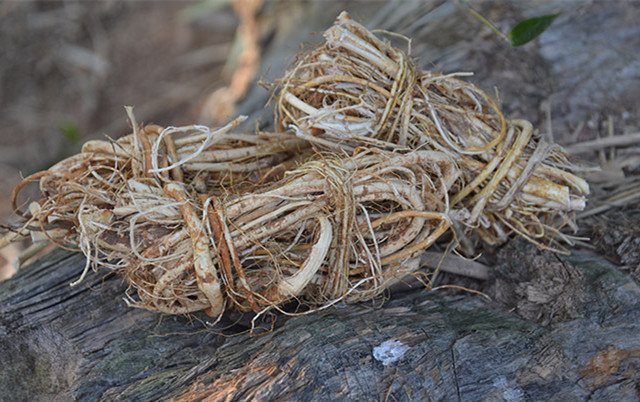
[606, 142]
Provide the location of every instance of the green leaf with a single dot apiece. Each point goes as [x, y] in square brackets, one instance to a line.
[70, 131]
[527, 30]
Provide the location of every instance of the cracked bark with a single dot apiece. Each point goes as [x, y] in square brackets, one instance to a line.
[455, 374]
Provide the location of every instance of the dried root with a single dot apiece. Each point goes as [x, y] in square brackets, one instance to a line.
[109, 202]
[331, 229]
[105, 171]
[356, 90]
[384, 159]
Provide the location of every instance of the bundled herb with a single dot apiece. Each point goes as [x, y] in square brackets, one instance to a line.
[356, 90]
[380, 161]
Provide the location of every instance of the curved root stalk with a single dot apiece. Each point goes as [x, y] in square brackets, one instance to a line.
[205, 270]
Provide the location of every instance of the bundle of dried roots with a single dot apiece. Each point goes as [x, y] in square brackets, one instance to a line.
[355, 89]
[383, 160]
[332, 229]
[329, 229]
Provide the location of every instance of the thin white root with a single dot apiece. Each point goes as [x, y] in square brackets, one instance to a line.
[295, 284]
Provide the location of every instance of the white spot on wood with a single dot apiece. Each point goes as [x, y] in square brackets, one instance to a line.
[510, 394]
[389, 351]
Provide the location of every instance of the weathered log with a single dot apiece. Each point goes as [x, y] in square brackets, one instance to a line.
[85, 343]
[556, 328]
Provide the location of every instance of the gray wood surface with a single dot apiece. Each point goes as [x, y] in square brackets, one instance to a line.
[84, 343]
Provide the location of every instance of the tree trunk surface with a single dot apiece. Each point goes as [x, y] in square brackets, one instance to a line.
[554, 328]
[84, 343]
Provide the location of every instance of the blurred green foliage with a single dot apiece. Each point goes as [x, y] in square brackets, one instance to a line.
[70, 131]
[202, 7]
[523, 32]
[527, 30]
